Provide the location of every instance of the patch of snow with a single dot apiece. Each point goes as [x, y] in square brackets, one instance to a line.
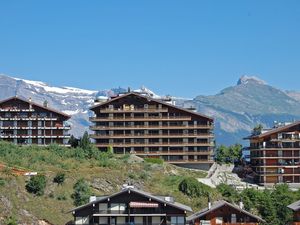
[60, 90]
[145, 91]
[71, 112]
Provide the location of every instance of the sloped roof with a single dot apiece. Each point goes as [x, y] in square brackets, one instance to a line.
[219, 204]
[134, 190]
[35, 104]
[275, 130]
[295, 206]
[153, 100]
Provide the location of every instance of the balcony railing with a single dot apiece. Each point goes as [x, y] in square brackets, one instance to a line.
[150, 118]
[101, 136]
[152, 144]
[129, 127]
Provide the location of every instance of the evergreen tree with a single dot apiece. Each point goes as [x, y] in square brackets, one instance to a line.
[73, 141]
[85, 142]
[81, 193]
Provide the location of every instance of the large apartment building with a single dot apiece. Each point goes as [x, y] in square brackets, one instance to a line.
[275, 154]
[148, 127]
[25, 122]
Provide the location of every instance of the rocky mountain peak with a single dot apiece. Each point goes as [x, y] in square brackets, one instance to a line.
[250, 79]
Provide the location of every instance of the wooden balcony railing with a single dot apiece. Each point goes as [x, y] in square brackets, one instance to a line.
[115, 136]
[163, 127]
[151, 144]
[150, 118]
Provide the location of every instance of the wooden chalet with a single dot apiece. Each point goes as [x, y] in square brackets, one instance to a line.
[223, 213]
[296, 212]
[131, 207]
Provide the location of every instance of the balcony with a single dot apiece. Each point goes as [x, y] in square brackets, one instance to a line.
[137, 110]
[161, 153]
[115, 136]
[142, 127]
[153, 144]
[150, 118]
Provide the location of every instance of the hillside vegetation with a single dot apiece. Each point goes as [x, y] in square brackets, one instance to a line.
[104, 172]
[48, 196]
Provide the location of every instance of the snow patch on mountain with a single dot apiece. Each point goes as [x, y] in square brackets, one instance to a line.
[59, 90]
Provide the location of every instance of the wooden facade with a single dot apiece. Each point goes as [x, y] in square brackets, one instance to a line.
[131, 207]
[147, 127]
[275, 155]
[25, 122]
[223, 213]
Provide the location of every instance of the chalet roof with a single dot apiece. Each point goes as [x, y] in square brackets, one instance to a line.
[35, 104]
[295, 206]
[153, 100]
[134, 190]
[217, 205]
[274, 131]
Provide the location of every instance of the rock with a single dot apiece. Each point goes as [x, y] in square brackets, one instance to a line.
[5, 203]
[102, 185]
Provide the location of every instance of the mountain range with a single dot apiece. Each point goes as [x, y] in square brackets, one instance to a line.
[236, 109]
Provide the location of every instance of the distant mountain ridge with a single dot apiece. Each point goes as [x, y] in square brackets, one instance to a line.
[251, 101]
[236, 109]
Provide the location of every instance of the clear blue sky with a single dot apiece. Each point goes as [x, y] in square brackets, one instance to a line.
[183, 48]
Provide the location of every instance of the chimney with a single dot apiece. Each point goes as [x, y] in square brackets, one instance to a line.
[241, 204]
[209, 202]
[92, 198]
[45, 104]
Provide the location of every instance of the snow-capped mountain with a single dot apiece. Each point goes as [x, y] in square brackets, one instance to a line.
[72, 101]
[236, 109]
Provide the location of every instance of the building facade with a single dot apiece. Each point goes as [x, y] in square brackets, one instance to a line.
[223, 213]
[133, 207]
[25, 122]
[275, 154]
[147, 127]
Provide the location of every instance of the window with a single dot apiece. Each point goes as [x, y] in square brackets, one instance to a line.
[103, 207]
[118, 207]
[233, 218]
[177, 220]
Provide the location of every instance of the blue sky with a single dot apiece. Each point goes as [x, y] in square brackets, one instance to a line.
[182, 48]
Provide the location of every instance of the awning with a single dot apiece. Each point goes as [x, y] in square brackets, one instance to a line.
[143, 205]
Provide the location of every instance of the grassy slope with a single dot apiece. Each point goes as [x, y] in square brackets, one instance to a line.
[160, 179]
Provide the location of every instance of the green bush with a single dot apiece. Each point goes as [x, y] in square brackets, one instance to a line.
[154, 160]
[59, 178]
[2, 182]
[61, 197]
[193, 188]
[228, 192]
[81, 192]
[36, 185]
[11, 221]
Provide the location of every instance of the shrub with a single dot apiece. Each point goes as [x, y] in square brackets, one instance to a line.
[2, 182]
[59, 178]
[61, 197]
[36, 185]
[144, 175]
[228, 192]
[191, 187]
[11, 221]
[81, 193]
[154, 160]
